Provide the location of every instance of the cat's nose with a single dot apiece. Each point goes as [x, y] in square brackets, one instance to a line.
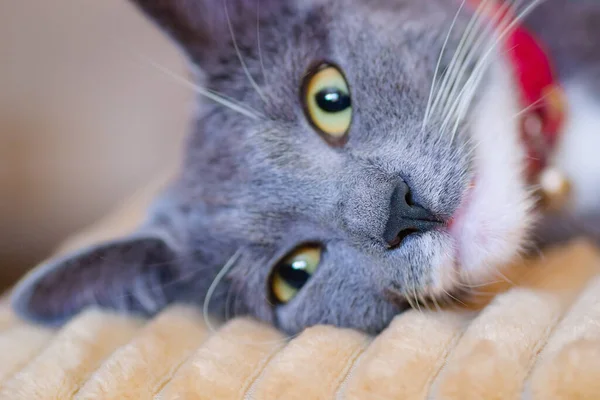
[406, 217]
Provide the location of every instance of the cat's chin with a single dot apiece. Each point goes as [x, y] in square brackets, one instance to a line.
[487, 233]
[478, 243]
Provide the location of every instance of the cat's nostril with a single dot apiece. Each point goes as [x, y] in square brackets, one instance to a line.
[397, 241]
[406, 217]
[409, 198]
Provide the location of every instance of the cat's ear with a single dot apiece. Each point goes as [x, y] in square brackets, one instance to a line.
[136, 274]
[199, 24]
[189, 22]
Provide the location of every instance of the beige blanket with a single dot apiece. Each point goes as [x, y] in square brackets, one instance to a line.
[537, 340]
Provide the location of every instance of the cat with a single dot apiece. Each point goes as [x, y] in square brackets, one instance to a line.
[348, 160]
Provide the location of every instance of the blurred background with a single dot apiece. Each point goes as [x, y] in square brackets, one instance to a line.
[84, 118]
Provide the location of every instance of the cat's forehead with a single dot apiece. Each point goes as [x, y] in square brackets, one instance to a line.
[371, 40]
[387, 16]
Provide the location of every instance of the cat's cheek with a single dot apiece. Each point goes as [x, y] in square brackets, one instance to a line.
[491, 228]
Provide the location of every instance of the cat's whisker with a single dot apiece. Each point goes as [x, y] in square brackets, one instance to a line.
[535, 248]
[239, 54]
[454, 298]
[477, 75]
[209, 94]
[438, 64]
[410, 302]
[436, 304]
[449, 77]
[469, 146]
[424, 302]
[474, 40]
[260, 57]
[441, 301]
[416, 297]
[450, 302]
[442, 90]
[462, 102]
[500, 17]
[213, 286]
[473, 146]
[448, 297]
[481, 294]
[472, 286]
[445, 301]
[470, 280]
[504, 277]
[421, 301]
[456, 283]
[488, 22]
[464, 99]
[530, 107]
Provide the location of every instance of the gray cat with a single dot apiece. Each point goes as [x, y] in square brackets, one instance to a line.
[360, 155]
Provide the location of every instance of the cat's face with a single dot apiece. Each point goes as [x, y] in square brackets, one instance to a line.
[339, 186]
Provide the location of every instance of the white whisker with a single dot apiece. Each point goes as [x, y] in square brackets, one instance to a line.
[504, 277]
[530, 106]
[213, 286]
[260, 58]
[484, 31]
[209, 94]
[416, 297]
[503, 33]
[471, 52]
[424, 302]
[475, 19]
[439, 62]
[410, 303]
[436, 304]
[469, 88]
[239, 54]
[453, 298]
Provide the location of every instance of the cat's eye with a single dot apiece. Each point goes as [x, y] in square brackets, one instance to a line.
[292, 273]
[327, 103]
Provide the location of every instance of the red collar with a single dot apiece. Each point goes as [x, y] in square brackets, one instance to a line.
[540, 94]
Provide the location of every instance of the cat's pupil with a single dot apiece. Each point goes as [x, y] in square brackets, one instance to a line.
[332, 100]
[294, 274]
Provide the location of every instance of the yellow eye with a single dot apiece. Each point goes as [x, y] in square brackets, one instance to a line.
[327, 103]
[294, 271]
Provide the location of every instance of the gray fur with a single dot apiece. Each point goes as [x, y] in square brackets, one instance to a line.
[266, 186]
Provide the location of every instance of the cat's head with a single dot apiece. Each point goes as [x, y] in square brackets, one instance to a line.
[329, 183]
